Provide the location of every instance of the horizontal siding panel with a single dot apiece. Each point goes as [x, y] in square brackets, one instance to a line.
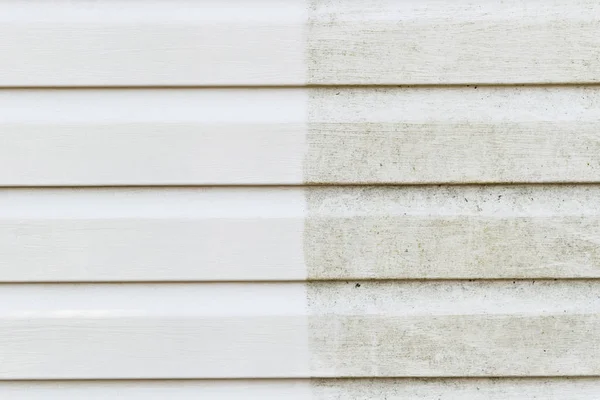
[298, 42]
[437, 42]
[151, 137]
[231, 234]
[472, 232]
[271, 234]
[296, 136]
[346, 389]
[159, 390]
[152, 43]
[453, 135]
[288, 330]
[458, 389]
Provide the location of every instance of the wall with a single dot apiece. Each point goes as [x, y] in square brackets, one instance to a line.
[251, 200]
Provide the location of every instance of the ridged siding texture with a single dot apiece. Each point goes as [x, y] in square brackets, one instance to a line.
[307, 199]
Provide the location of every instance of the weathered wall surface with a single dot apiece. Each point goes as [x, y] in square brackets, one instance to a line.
[302, 199]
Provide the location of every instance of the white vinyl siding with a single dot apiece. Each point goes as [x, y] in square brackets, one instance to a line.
[303, 199]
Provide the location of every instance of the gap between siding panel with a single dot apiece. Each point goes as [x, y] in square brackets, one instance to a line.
[308, 280]
[299, 185]
[345, 378]
[307, 86]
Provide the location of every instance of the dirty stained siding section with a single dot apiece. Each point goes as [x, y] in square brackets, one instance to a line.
[310, 199]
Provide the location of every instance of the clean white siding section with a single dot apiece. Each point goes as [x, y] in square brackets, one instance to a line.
[295, 42]
[152, 137]
[178, 234]
[160, 390]
[152, 43]
[153, 331]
